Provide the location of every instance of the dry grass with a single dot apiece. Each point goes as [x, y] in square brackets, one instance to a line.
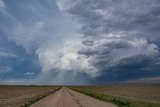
[135, 94]
[148, 93]
[15, 96]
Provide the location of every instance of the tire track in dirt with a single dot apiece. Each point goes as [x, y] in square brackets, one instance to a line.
[66, 97]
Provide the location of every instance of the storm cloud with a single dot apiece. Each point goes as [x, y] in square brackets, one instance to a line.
[82, 41]
[119, 37]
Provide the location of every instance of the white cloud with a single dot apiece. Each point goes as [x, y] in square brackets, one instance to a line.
[29, 37]
[65, 58]
[2, 5]
[6, 69]
[29, 73]
[7, 54]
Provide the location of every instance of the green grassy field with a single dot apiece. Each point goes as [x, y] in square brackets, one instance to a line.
[124, 95]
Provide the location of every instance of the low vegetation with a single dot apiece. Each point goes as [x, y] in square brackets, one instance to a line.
[99, 92]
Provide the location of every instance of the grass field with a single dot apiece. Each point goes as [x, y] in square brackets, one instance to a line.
[124, 95]
[16, 96]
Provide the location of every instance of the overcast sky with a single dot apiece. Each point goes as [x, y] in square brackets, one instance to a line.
[79, 41]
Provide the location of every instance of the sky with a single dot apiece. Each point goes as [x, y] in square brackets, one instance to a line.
[82, 42]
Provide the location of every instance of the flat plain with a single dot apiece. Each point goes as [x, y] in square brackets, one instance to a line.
[138, 93]
[15, 96]
[120, 95]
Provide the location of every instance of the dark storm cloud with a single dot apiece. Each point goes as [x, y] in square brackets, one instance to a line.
[86, 42]
[105, 16]
[120, 36]
[121, 54]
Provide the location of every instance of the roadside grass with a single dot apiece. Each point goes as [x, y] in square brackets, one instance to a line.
[120, 102]
[34, 100]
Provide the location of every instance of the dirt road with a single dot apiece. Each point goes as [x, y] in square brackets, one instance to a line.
[68, 98]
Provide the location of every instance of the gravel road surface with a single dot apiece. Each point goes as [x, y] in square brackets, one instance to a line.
[66, 97]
